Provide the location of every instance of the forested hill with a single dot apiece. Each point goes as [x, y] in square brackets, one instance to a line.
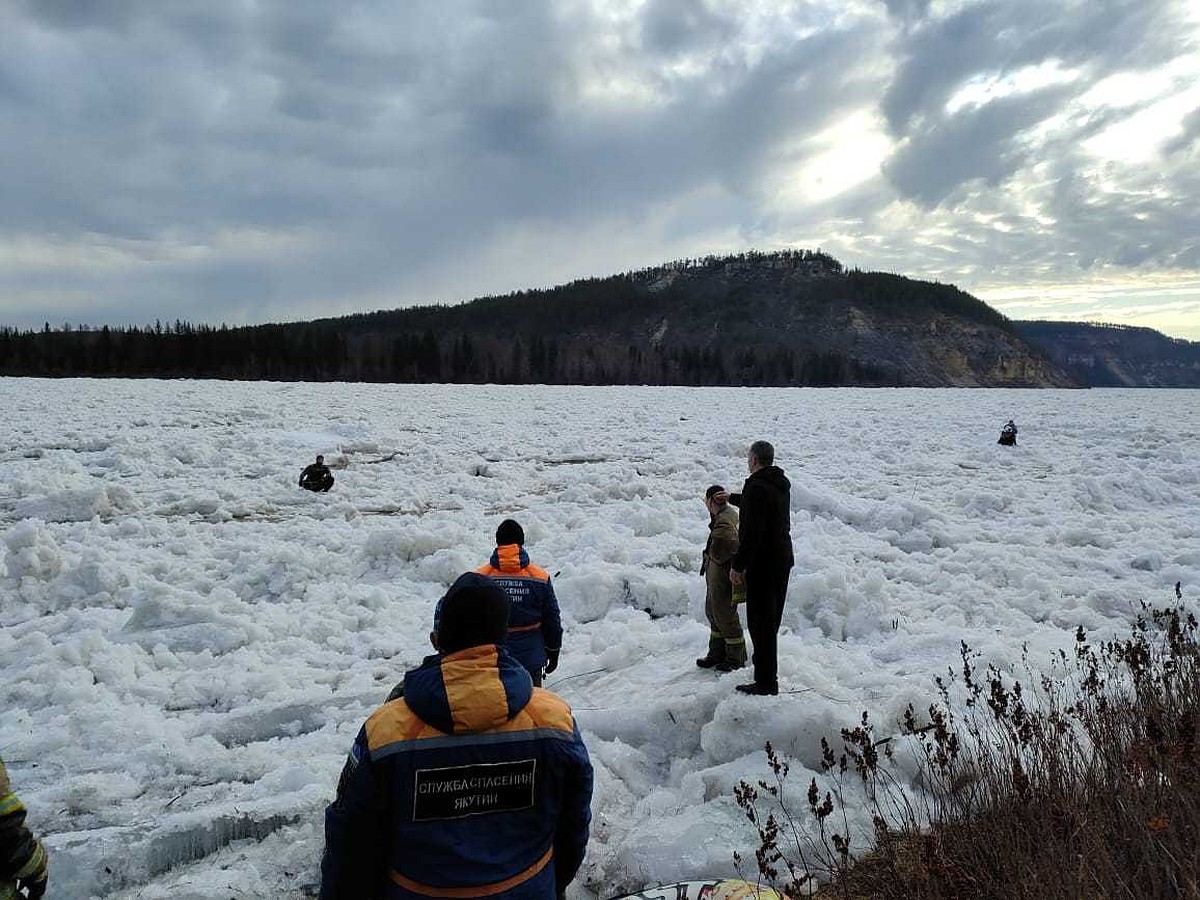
[1117, 355]
[791, 318]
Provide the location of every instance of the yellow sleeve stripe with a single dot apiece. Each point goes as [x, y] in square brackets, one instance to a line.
[10, 804]
[36, 863]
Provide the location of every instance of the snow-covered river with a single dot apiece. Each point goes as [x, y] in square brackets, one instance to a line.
[189, 642]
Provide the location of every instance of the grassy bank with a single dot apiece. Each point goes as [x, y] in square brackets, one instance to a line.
[1079, 778]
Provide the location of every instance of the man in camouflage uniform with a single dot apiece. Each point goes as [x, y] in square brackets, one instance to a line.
[726, 645]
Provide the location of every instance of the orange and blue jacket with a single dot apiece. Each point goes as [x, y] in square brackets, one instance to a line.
[473, 783]
[534, 621]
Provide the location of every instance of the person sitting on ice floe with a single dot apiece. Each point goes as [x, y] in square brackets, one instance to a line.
[317, 477]
[23, 861]
[534, 623]
[471, 783]
[1008, 434]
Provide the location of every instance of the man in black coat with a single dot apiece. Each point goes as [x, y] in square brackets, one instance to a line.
[317, 477]
[764, 560]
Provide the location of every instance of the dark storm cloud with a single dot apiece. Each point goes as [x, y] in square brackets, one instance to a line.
[909, 10]
[401, 139]
[601, 162]
[1131, 228]
[982, 144]
[1003, 37]
[672, 26]
[80, 14]
[1188, 138]
[987, 155]
[242, 161]
[304, 99]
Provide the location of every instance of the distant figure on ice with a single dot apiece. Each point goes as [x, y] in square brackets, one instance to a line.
[23, 862]
[317, 477]
[726, 644]
[473, 783]
[1008, 434]
[534, 624]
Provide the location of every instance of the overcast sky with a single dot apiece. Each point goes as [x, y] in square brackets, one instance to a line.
[244, 161]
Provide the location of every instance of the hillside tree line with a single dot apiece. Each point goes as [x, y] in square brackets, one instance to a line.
[591, 331]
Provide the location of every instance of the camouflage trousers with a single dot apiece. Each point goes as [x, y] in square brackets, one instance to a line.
[725, 640]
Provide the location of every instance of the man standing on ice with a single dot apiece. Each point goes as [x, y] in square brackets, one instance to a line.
[763, 560]
[726, 645]
[472, 783]
[534, 623]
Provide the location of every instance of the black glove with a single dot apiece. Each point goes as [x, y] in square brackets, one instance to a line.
[551, 661]
[33, 889]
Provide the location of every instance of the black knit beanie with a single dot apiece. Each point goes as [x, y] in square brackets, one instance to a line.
[510, 532]
[473, 612]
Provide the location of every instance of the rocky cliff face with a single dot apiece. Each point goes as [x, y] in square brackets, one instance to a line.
[864, 328]
[1116, 356]
[945, 350]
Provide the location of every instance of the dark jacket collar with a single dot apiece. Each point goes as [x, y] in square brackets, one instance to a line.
[772, 475]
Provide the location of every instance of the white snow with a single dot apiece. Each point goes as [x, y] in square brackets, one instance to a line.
[189, 642]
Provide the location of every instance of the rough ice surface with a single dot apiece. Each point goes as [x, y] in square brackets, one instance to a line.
[189, 642]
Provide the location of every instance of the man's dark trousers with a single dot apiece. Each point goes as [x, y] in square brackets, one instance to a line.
[765, 593]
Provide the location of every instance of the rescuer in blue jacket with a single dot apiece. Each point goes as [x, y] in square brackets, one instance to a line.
[534, 623]
[472, 783]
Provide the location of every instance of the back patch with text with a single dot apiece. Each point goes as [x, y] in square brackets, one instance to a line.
[458, 791]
